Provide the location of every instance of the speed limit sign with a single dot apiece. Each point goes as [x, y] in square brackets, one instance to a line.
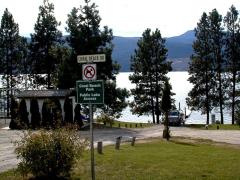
[89, 71]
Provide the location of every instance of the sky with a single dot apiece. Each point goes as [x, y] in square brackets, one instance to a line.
[128, 18]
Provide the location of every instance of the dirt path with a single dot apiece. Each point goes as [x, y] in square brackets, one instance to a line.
[108, 136]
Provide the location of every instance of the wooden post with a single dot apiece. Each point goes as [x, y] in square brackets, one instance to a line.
[118, 142]
[125, 125]
[136, 125]
[99, 147]
[133, 141]
[130, 125]
[119, 125]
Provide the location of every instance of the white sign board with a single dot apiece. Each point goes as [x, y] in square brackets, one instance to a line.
[91, 58]
[89, 72]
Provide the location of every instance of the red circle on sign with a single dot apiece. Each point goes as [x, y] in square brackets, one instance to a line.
[89, 72]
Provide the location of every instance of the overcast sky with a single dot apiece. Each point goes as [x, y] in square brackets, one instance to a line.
[125, 17]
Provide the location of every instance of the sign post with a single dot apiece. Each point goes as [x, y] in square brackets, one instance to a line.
[90, 91]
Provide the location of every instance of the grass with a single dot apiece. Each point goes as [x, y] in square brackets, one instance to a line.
[159, 159]
[214, 126]
[163, 160]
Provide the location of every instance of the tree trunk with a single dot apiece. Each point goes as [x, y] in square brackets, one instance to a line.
[233, 97]
[207, 94]
[220, 96]
[157, 103]
[153, 112]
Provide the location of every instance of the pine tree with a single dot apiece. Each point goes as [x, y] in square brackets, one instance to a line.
[232, 52]
[202, 95]
[150, 68]
[43, 41]
[9, 53]
[216, 46]
[85, 38]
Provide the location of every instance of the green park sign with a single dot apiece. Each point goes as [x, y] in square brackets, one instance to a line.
[90, 92]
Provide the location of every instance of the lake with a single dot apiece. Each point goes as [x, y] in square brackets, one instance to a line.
[181, 87]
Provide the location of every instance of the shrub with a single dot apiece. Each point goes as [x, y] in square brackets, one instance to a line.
[77, 116]
[68, 111]
[14, 124]
[46, 114]
[49, 154]
[35, 114]
[57, 113]
[23, 115]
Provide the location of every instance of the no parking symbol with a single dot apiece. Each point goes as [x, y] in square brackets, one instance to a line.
[89, 71]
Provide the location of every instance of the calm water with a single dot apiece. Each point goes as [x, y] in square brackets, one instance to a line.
[181, 87]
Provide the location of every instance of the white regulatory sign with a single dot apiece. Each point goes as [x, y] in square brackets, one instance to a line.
[89, 72]
[91, 58]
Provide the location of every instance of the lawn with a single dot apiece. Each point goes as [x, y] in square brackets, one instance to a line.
[215, 126]
[158, 159]
[163, 160]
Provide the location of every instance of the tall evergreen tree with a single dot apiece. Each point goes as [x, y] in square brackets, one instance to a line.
[86, 37]
[150, 68]
[43, 41]
[202, 95]
[216, 47]
[232, 52]
[166, 106]
[9, 52]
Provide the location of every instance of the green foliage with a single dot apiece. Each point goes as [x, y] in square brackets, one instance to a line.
[202, 76]
[86, 37]
[43, 44]
[166, 106]
[49, 154]
[150, 68]
[35, 114]
[77, 116]
[23, 114]
[68, 111]
[52, 114]
[14, 124]
[232, 55]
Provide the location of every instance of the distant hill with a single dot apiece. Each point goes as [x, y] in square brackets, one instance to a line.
[179, 50]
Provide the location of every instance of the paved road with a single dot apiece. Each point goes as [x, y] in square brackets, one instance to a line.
[108, 136]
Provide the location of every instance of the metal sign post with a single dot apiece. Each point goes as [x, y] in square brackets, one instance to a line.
[92, 140]
[90, 92]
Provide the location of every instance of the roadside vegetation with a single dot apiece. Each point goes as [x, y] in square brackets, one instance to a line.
[158, 159]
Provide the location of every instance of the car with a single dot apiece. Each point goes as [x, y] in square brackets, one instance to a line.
[175, 118]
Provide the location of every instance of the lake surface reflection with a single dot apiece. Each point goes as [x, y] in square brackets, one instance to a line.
[181, 87]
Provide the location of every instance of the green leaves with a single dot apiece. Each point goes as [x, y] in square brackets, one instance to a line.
[150, 68]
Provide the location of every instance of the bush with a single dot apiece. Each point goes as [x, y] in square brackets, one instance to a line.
[49, 154]
[35, 114]
[23, 115]
[68, 111]
[14, 124]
